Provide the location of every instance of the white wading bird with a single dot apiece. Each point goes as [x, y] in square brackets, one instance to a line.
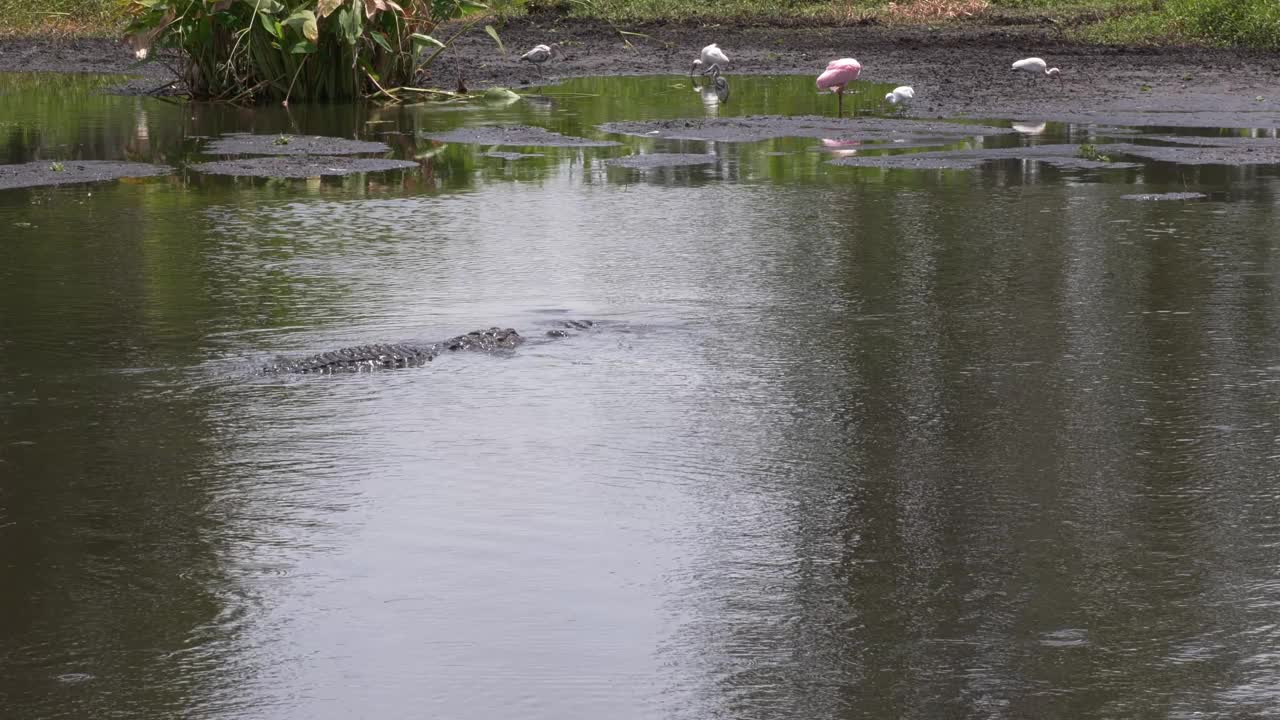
[1036, 66]
[711, 55]
[539, 55]
[902, 93]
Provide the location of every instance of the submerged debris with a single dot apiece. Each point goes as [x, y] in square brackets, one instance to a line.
[1063, 156]
[1165, 196]
[283, 144]
[662, 160]
[509, 156]
[299, 166]
[520, 135]
[770, 127]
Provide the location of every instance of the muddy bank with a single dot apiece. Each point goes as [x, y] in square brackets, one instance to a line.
[246, 144]
[956, 72]
[299, 166]
[70, 172]
[517, 136]
[1196, 155]
[959, 71]
[86, 55]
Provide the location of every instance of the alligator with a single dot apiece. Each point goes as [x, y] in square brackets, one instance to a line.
[381, 356]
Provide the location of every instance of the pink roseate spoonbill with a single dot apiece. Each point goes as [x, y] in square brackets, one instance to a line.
[1036, 66]
[837, 76]
[711, 55]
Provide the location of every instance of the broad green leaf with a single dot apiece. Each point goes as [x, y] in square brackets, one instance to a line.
[304, 21]
[381, 39]
[267, 6]
[302, 48]
[420, 40]
[349, 22]
[324, 7]
[494, 34]
[270, 25]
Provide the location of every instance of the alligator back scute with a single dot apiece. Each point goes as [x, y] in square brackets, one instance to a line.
[401, 355]
[358, 358]
[567, 325]
[494, 338]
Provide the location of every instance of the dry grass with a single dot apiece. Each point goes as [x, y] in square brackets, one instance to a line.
[921, 12]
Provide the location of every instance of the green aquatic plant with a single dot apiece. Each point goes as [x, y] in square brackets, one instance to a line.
[1089, 151]
[57, 167]
[282, 140]
[312, 50]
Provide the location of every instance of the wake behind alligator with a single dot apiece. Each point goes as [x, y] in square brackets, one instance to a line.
[380, 356]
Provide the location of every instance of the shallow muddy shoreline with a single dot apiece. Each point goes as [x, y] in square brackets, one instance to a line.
[957, 72]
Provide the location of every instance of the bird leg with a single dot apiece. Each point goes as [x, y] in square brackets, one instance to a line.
[839, 102]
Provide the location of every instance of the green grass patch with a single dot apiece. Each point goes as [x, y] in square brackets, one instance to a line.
[83, 18]
[1224, 23]
[1217, 23]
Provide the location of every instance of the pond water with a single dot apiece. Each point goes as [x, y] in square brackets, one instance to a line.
[848, 442]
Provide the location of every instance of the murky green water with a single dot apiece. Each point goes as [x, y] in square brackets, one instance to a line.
[854, 443]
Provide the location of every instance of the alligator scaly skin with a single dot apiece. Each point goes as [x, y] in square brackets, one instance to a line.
[356, 359]
[380, 356]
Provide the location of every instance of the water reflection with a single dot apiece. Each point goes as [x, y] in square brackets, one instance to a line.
[852, 442]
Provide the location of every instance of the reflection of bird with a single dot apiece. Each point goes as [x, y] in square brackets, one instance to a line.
[902, 93]
[841, 147]
[837, 76]
[711, 55]
[1036, 66]
[721, 85]
[539, 55]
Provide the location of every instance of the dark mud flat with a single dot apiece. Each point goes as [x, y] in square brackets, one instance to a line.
[247, 144]
[1164, 197]
[654, 161]
[1186, 154]
[959, 71]
[520, 136]
[1227, 142]
[299, 166]
[770, 127]
[42, 173]
[1062, 156]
